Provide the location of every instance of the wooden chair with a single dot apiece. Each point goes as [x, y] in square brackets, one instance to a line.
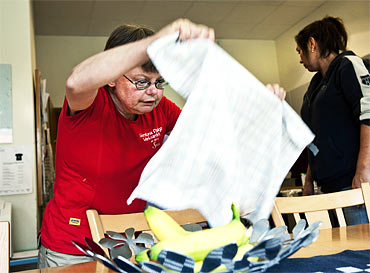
[100, 223]
[4, 246]
[315, 207]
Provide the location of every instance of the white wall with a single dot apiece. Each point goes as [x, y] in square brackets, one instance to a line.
[258, 56]
[57, 55]
[16, 49]
[293, 76]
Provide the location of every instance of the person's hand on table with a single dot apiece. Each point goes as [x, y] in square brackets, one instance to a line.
[361, 176]
[308, 188]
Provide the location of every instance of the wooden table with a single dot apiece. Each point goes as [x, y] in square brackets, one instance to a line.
[330, 241]
[336, 240]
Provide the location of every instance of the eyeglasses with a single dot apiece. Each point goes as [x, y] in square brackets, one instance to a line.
[144, 84]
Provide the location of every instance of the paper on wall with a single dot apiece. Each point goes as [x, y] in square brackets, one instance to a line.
[15, 169]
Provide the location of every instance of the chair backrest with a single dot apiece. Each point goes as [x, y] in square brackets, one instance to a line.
[4, 246]
[100, 223]
[316, 207]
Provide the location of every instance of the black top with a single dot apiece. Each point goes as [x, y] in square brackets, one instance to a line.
[333, 107]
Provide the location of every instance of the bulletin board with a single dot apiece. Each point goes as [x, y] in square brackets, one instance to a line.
[6, 121]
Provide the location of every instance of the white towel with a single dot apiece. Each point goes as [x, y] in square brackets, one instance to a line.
[234, 141]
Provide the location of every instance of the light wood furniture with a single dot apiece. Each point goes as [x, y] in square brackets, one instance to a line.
[100, 223]
[335, 240]
[315, 207]
[4, 246]
[330, 241]
[24, 257]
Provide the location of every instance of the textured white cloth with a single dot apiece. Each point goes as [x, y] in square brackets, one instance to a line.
[233, 142]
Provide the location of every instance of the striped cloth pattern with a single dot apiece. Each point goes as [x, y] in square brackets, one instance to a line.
[234, 141]
[176, 261]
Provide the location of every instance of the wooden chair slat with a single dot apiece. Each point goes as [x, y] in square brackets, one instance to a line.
[316, 207]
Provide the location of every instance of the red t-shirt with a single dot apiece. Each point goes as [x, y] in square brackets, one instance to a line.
[99, 159]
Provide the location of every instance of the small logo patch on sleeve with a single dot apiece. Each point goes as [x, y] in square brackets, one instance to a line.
[74, 221]
[365, 79]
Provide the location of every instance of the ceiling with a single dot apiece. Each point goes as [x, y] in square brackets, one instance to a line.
[243, 19]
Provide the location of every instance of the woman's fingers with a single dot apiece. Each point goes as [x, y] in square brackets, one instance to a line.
[188, 30]
[277, 90]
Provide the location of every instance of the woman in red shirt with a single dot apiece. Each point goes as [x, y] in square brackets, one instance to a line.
[113, 121]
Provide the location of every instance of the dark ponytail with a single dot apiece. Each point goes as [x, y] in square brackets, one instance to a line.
[329, 33]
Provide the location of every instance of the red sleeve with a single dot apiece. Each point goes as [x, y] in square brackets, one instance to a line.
[94, 109]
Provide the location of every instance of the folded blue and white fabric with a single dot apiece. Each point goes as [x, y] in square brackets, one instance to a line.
[234, 141]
